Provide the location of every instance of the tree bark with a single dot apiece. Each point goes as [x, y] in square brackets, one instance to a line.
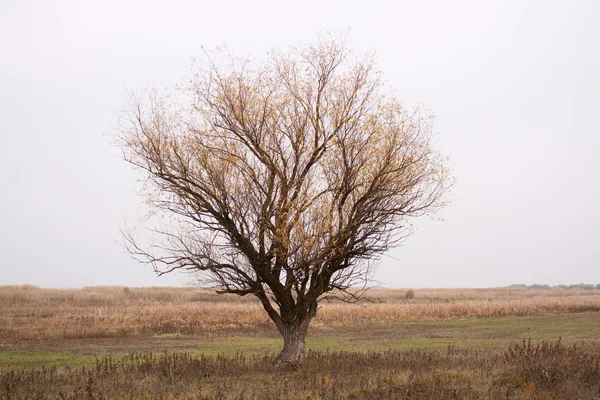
[294, 349]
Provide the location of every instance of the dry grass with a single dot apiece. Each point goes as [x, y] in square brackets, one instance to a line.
[30, 315]
[546, 370]
[28, 312]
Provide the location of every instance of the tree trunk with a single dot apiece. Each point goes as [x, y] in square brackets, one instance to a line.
[294, 349]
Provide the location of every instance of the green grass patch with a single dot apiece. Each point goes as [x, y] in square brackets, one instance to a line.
[460, 333]
[14, 359]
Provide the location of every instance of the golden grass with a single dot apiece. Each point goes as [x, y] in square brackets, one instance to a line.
[28, 312]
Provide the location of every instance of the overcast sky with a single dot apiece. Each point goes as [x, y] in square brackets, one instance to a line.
[515, 86]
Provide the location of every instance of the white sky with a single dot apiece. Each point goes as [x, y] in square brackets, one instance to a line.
[515, 86]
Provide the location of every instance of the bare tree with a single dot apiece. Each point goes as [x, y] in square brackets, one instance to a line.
[285, 180]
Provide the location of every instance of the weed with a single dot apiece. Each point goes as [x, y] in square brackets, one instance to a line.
[414, 374]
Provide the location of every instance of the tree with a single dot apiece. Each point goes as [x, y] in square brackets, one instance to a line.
[285, 180]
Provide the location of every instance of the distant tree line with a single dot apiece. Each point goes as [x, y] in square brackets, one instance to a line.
[537, 286]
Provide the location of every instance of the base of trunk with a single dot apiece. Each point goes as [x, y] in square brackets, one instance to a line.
[293, 353]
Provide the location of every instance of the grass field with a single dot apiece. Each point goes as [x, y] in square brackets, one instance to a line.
[467, 343]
